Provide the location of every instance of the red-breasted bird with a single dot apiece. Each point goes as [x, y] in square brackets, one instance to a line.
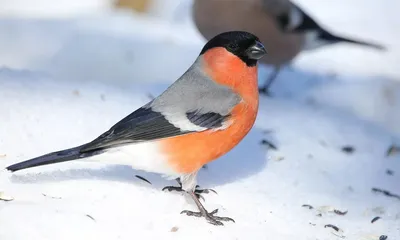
[282, 26]
[200, 117]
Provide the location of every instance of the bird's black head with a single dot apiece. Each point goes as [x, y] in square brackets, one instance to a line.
[244, 45]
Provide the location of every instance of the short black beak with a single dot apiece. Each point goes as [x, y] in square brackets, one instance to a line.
[256, 51]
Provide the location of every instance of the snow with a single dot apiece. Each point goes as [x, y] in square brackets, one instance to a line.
[64, 81]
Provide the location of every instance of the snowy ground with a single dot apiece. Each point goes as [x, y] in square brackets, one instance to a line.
[65, 81]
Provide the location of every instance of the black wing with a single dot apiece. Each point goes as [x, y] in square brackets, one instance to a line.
[141, 125]
[145, 124]
[208, 120]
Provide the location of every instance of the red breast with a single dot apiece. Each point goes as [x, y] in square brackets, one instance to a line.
[190, 152]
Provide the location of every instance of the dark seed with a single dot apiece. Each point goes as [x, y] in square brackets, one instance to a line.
[386, 193]
[332, 226]
[340, 212]
[307, 206]
[269, 144]
[87, 215]
[383, 237]
[348, 149]
[375, 219]
[144, 179]
[389, 172]
[392, 150]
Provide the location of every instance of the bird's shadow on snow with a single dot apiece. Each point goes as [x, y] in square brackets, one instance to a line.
[246, 159]
[108, 173]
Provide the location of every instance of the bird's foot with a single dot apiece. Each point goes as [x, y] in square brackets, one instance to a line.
[210, 217]
[172, 188]
[197, 191]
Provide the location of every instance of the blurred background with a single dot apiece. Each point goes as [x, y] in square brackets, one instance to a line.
[121, 40]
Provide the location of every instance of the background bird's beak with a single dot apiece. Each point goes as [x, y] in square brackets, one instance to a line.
[256, 51]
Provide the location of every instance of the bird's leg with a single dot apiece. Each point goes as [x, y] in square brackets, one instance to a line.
[267, 84]
[197, 191]
[209, 216]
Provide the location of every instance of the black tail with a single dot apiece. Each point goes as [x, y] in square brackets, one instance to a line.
[54, 157]
[336, 39]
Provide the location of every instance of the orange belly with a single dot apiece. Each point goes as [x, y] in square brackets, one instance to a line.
[188, 153]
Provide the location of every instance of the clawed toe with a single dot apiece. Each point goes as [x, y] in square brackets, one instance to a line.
[172, 188]
[195, 195]
[197, 191]
[191, 213]
[225, 219]
[215, 220]
[206, 191]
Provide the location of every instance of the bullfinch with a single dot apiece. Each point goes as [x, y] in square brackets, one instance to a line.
[282, 26]
[200, 117]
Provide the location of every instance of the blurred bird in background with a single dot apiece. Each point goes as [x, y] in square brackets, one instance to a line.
[138, 6]
[282, 26]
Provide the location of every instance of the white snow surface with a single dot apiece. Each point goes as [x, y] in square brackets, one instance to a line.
[66, 81]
